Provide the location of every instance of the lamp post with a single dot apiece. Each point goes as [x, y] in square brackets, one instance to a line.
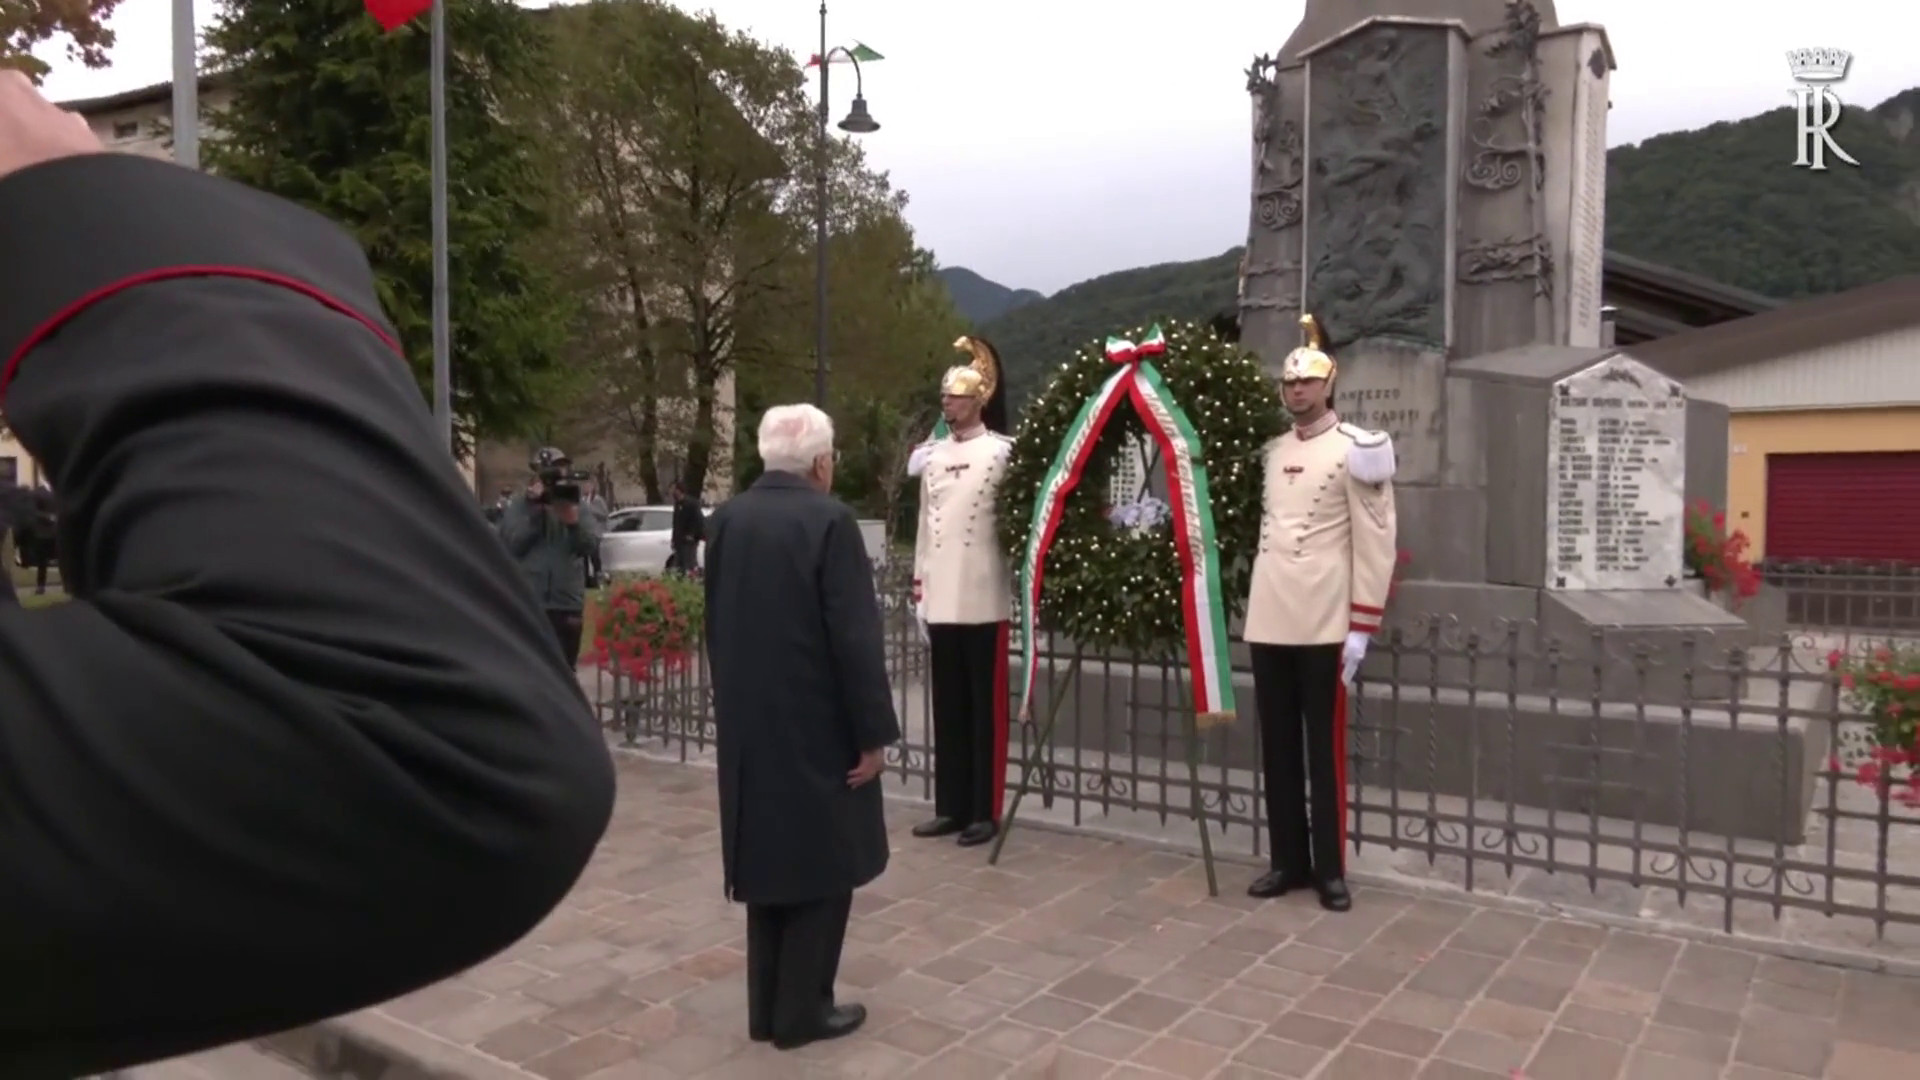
[858, 122]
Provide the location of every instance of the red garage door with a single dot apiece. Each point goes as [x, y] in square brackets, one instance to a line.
[1823, 507]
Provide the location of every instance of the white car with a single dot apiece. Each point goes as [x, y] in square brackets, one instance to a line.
[637, 540]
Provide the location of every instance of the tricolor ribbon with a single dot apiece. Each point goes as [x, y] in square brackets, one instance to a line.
[1204, 614]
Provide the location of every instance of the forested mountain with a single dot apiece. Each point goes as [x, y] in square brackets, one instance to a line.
[980, 300]
[1724, 202]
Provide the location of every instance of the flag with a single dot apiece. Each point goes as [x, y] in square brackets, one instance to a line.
[393, 14]
[858, 52]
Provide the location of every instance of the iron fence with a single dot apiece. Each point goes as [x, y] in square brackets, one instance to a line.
[1710, 779]
[1852, 599]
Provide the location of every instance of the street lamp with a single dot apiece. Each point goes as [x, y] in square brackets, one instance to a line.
[858, 122]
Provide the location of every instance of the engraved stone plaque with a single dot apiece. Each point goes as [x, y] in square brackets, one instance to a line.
[1616, 470]
[1400, 390]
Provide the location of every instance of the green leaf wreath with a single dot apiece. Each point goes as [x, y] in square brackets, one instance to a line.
[1109, 585]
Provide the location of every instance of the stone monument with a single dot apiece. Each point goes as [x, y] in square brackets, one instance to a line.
[1429, 180]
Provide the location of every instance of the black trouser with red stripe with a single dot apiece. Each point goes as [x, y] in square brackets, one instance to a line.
[1296, 690]
[967, 665]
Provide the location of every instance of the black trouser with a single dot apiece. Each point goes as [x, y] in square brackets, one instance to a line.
[968, 668]
[1296, 690]
[685, 557]
[567, 628]
[793, 956]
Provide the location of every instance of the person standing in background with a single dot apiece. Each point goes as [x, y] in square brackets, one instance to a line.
[593, 504]
[551, 536]
[803, 713]
[41, 533]
[689, 528]
[16, 506]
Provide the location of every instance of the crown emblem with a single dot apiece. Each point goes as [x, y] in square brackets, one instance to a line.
[1818, 65]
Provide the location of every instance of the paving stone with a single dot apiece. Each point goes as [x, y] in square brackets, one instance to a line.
[1361, 1063]
[1078, 958]
[1570, 1055]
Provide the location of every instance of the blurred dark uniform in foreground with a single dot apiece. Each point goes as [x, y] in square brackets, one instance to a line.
[301, 742]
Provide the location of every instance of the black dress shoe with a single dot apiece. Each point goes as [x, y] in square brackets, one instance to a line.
[1334, 895]
[940, 826]
[978, 833]
[837, 1022]
[1275, 883]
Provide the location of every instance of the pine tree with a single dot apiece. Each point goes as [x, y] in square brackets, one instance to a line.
[332, 113]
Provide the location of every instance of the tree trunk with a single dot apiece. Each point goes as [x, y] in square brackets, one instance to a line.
[700, 439]
[647, 437]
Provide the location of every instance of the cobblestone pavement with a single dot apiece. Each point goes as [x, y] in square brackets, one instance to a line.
[1080, 958]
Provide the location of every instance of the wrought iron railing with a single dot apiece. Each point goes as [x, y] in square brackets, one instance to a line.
[1852, 599]
[1711, 780]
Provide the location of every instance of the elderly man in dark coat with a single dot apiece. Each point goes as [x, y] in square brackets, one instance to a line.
[804, 713]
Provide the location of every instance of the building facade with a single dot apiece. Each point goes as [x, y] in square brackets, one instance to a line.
[1823, 398]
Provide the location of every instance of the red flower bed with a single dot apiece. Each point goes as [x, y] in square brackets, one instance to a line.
[644, 625]
[1883, 685]
[1718, 557]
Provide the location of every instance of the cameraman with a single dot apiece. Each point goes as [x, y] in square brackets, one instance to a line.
[546, 532]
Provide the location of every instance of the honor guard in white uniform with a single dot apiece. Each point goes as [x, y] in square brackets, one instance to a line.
[964, 597]
[1320, 580]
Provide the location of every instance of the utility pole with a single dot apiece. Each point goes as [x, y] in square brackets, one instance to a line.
[186, 86]
[442, 313]
[820, 230]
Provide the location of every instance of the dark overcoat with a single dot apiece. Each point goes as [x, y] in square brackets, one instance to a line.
[799, 692]
[301, 742]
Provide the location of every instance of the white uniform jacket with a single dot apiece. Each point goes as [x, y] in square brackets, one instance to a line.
[958, 568]
[1327, 538]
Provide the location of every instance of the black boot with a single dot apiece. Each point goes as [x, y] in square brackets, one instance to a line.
[940, 826]
[978, 833]
[837, 1022]
[1275, 883]
[1334, 895]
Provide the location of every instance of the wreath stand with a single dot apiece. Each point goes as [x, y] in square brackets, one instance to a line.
[1134, 377]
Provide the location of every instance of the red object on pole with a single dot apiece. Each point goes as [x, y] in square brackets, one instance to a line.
[393, 14]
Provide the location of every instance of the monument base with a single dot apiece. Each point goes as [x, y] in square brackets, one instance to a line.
[1655, 647]
[1707, 768]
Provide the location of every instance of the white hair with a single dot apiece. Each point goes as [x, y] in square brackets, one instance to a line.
[793, 437]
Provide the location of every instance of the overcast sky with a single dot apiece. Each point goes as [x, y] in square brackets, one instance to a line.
[1048, 141]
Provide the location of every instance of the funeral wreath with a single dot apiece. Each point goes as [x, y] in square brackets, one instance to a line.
[1179, 405]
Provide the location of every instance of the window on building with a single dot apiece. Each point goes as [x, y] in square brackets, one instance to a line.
[9, 470]
[126, 129]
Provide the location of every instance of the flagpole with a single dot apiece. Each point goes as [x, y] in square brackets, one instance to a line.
[186, 87]
[442, 328]
[820, 230]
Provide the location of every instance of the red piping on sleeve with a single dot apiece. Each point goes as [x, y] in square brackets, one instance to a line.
[169, 273]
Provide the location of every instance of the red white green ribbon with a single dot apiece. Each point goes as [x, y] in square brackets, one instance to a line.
[1205, 617]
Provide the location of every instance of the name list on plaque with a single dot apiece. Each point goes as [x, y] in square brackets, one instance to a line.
[1616, 463]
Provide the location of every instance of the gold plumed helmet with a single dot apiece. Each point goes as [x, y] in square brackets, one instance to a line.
[1310, 360]
[975, 379]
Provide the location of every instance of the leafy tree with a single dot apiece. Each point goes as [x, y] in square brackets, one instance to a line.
[332, 113]
[25, 24]
[687, 158]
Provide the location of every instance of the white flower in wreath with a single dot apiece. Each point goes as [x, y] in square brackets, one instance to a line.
[1143, 514]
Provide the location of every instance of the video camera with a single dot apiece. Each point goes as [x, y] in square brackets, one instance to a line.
[559, 480]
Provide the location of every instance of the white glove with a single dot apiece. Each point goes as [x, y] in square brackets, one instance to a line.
[1354, 651]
